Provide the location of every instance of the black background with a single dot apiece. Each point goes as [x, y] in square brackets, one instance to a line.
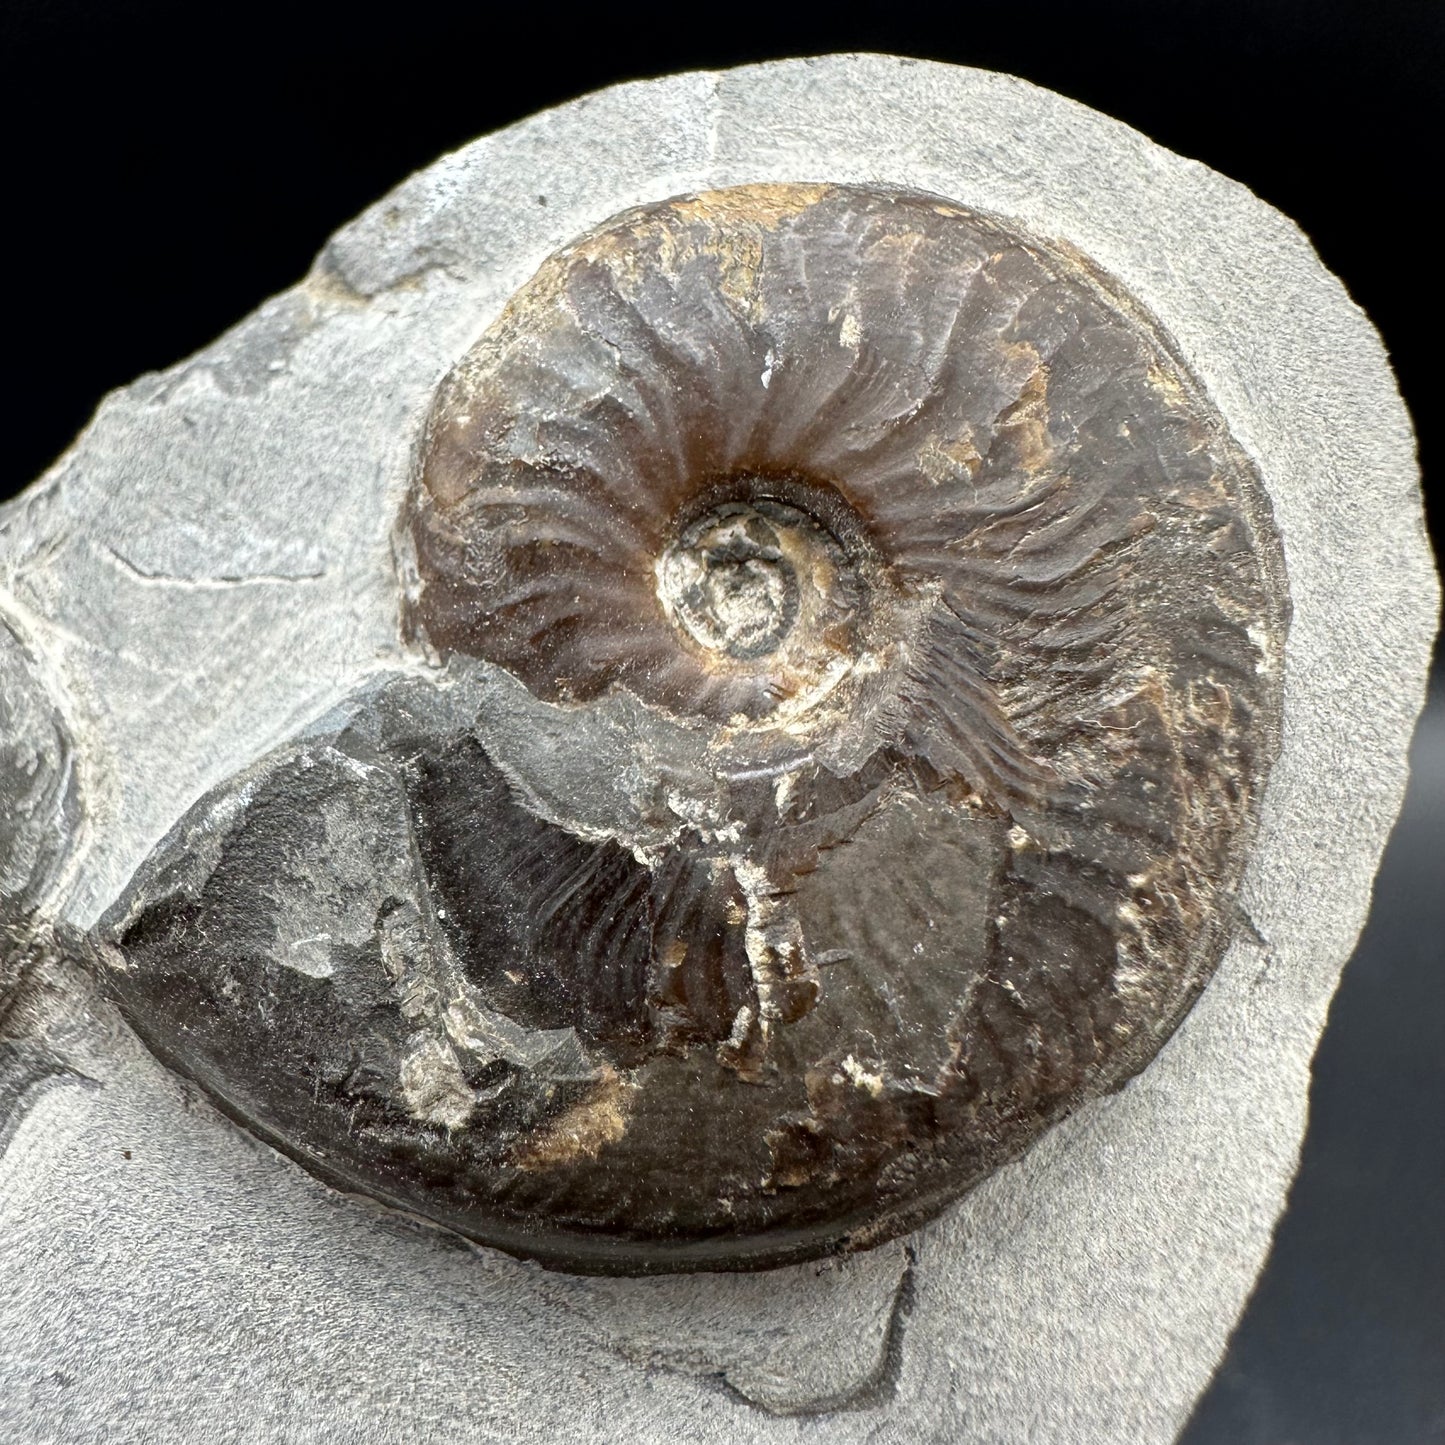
[169, 166]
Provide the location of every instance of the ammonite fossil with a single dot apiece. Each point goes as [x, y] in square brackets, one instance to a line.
[854, 650]
[39, 806]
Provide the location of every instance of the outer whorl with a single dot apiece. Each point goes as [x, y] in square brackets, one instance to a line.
[944, 621]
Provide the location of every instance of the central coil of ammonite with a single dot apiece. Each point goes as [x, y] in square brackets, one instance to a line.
[903, 631]
[759, 584]
[737, 577]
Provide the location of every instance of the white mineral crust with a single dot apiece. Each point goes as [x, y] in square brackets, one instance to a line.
[210, 566]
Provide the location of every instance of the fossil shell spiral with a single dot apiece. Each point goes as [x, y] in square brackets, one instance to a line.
[924, 627]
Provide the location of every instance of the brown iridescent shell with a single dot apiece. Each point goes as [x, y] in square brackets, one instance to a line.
[907, 630]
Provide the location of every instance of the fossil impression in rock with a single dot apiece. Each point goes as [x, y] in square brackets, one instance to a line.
[848, 661]
[39, 806]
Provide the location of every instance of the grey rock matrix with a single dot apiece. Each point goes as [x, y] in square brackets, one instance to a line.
[210, 569]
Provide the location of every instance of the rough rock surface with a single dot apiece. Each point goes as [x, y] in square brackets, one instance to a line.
[211, 566]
